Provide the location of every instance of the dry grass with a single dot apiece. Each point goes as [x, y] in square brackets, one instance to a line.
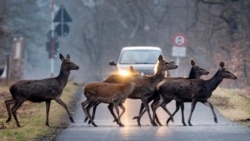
[32, 117]
[233, 104]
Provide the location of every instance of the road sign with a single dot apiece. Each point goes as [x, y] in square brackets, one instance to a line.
[62, 29]
[178, 51]
[62, 16]
[179, 40]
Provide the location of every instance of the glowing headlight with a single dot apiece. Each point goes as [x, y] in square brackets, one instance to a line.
[124, 72]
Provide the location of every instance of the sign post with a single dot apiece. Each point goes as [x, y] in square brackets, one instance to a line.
[179, 47]
[62, 29]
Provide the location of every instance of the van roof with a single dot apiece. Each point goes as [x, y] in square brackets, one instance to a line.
[141, 48]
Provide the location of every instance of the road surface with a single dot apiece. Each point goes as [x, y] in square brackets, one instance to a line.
[203, 129]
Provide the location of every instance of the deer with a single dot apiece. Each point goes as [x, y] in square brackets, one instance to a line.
[103, 92]
[113, 78]
[192, 90]
[42, 90]
[195, 73]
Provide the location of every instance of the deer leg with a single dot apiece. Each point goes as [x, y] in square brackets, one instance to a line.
[86, 112]
[212, 109]
[142, 111]
[88, 107]
[117, 112]
[59, 101]
[123, 109]
[8, 103]
[14, 109]
[94, 110]
[47, 111]
[110, 107]
[176, 110]
[192, 110]
[182, 114]
[149, 115]
[139, 117]
[154, 106]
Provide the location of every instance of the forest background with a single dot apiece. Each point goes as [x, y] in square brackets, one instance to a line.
[216, 30]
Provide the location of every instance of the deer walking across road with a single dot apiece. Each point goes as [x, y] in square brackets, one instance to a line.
[113, 78]
[110, 93]
[145, 88]
[192, 90]
[195, 73]
[41, 90]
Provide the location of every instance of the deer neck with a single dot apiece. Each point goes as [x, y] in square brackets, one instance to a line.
[212, 83]
[63, 77]
[160, 73]
[193, 75]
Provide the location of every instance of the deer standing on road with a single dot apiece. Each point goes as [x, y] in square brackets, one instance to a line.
[41, 90]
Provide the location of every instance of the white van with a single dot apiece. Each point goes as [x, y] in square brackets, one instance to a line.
[142, 58]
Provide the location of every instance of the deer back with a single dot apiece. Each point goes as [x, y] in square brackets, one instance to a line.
[108, 92]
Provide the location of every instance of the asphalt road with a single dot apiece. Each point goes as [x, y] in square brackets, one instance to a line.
[203, 129]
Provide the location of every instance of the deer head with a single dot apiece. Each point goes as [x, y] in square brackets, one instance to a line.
[164, 65]
[225, 73]
[67, 64]
[198, 70]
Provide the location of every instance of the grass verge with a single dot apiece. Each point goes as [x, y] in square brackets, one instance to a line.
[233, 104]
[32, 117]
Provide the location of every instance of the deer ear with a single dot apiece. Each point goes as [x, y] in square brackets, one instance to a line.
[160, 58]
[192, 62]
[222, 64]
[68, 57]
[61, 56]
[131, 69]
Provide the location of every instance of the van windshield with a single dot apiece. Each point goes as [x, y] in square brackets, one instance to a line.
[139, 57]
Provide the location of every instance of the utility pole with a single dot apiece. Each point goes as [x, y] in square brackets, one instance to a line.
[52, 39]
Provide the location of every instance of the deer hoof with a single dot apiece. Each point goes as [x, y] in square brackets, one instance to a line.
[94, 125]
[159, 124]
[71, 119]
[184, 124]
[120, 124]
[8, 120]
[167, 121]
[215, 120]
[136, 117]
[190, 124]
[115, 120]
[154, 124]
[86, 118]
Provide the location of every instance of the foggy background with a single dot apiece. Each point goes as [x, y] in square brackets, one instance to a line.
[216, 30]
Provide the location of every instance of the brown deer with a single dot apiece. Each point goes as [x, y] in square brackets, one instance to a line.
[102, 92]
[113, 78]
[195, 73]
[192, 90]
[41, 90]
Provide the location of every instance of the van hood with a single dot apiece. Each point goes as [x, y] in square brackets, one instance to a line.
[147, 69]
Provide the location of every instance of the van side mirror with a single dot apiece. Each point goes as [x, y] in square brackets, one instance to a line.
[112, 63]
